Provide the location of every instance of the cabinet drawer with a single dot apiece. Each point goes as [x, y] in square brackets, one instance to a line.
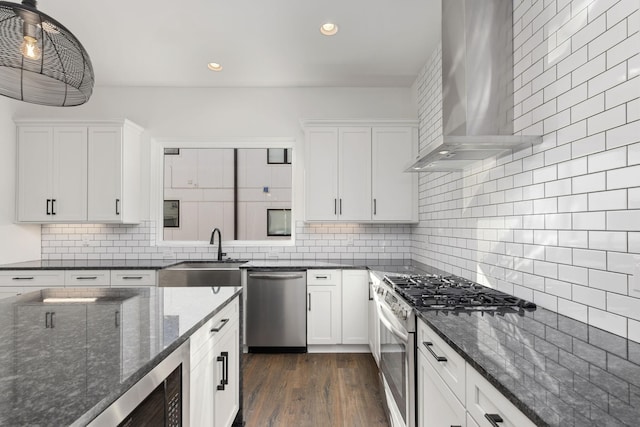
[129, 278]
[452, 369]
[484, 399]
[41, 278]
[203, 339]
[324, 277]
[87, 278]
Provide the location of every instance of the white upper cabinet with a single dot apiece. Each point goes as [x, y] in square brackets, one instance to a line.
[354, 160]
[356, 173]
[52, 174]
[78, 172]
[394, 192]
[322, 174]
[114, 174]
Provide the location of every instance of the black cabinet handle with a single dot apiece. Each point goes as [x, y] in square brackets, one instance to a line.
[117, 206]
[428, 345]
[225, 377]
[22, 278]
[340, 206]
[375, 206]
[322, 277]
[86, 277]
[52, 324]
[335, 206]
[117, 319]
[48, 208]
[53, 206]
[46, 320]
[494, 419]
[222, 323]
[309, 301]
[131, 277]
[221, 385]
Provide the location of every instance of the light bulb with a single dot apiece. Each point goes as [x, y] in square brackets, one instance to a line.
[30, 49]
[329, 29]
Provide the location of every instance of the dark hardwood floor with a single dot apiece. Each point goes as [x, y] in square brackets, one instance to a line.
[312, 390]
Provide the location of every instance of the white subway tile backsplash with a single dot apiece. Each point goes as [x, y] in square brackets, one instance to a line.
[585, 109]
[608, 39]
[628, 220]
[589, 70]
[589, 220]
[623, 135]
[606, 120]
[569, 273]
[589, 296]
[608, 200]
[608, 240]
[623, 178]
[608, 281]
[610, 159]
[589, 258]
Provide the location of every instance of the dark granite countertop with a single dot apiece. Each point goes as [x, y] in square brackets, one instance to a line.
[96, 351]
[556, 370]
[96, 264]
[90, 264]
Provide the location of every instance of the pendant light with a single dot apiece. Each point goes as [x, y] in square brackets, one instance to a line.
[41, 62]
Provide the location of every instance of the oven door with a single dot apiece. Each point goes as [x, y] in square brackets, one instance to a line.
[397, 363]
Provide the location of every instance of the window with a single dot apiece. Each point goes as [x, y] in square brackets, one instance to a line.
[172, 213]
[279, 222]
[279, 156]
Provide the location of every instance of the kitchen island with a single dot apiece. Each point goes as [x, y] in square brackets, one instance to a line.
[67, 354]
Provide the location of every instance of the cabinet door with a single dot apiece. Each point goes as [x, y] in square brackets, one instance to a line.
[394, 191]
[69, 174]
[437, 405]
[354, 177]
[202, 390]
[321, 174]
[226, 383]
[355, 309]
[323, 315]
[484, 400]
[35, 169]
[105, 174]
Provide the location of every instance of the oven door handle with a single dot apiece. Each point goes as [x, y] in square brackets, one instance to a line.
[396, 331]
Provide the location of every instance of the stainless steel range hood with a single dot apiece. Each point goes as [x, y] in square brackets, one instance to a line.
[477, 86]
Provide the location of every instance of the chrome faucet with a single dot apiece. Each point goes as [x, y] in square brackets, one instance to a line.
[213, 234]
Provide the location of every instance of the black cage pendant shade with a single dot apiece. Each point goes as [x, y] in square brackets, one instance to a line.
[41, 62]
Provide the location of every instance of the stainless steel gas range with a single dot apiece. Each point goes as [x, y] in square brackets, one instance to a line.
[397, 296]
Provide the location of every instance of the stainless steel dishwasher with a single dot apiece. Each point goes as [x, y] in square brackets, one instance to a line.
[276, 311]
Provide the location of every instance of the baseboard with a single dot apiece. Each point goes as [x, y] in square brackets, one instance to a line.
[339, 348]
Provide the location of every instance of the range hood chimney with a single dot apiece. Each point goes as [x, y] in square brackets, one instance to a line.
[477, 86]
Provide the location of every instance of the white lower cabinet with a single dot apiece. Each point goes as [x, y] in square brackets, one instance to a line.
[324, 310]
[374, 323]
[15, 282]
[452, 393]
[132, 278]
[215, 370]
[87, 278]
[437, 406]
[485, 401]
[355, 308]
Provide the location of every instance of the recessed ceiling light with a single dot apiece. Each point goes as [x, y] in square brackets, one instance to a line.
[214, 66]
[328, 28]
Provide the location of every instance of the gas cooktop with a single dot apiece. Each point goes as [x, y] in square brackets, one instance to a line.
[454, 294]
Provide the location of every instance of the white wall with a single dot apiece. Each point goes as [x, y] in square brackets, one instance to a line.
[557, 223]
[17, 243]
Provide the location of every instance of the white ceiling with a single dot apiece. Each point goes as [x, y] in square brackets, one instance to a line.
[258, 42]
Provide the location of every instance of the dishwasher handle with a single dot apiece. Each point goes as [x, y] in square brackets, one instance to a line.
[272, 276]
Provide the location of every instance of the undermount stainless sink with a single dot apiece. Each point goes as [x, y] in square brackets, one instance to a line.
[201, 273]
